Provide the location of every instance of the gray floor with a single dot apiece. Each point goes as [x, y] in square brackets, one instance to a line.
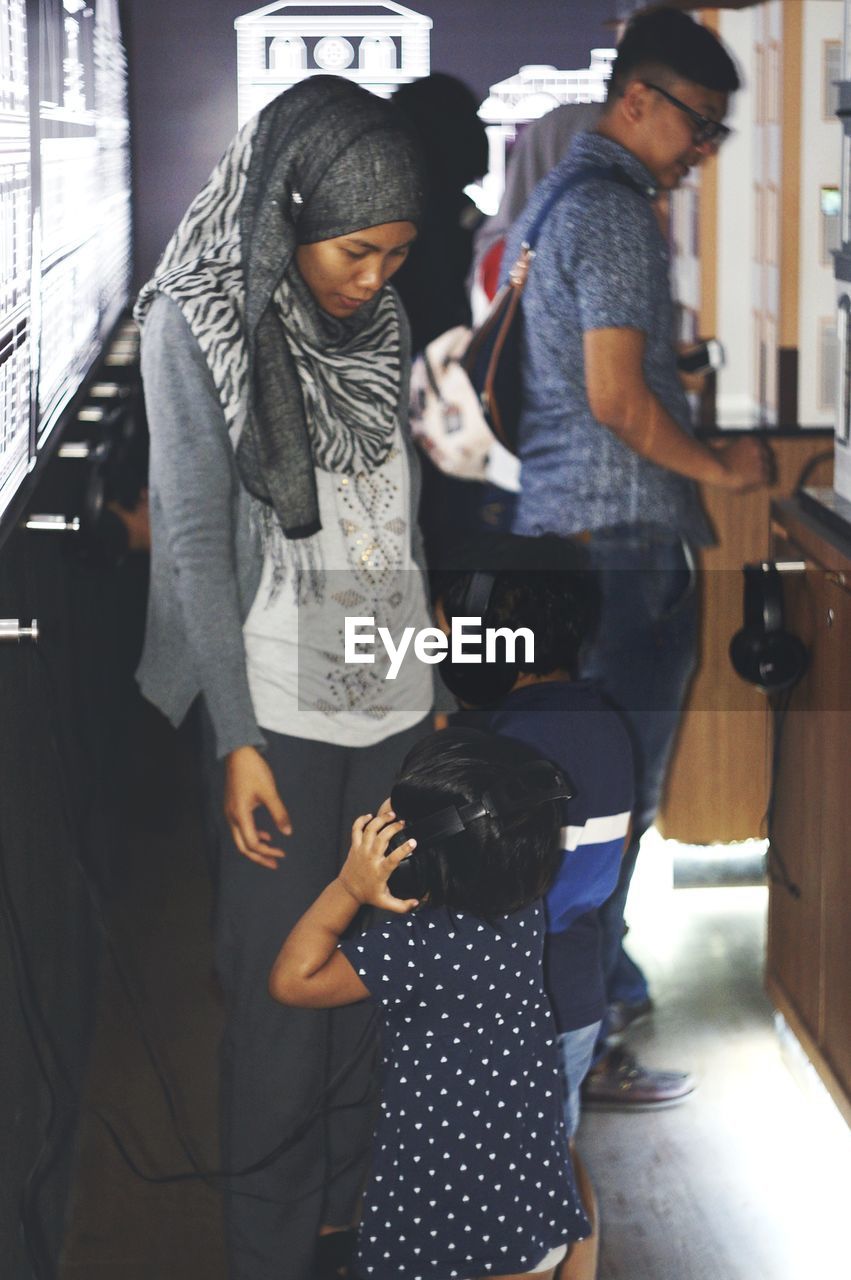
[750, 1178]
[748, 1181]
[120, 1227]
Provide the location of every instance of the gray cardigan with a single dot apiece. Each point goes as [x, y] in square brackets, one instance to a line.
[206, 561]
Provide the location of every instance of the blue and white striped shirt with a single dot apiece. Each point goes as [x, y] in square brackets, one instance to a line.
[573, 725]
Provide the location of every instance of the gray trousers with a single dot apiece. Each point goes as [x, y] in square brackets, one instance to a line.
[277, 1063]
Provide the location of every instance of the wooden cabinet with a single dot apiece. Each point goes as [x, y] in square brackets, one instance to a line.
[809, 920]
[836, 837]
[724, 731]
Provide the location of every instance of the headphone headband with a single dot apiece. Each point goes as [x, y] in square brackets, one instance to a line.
[477, 597]
[544, 783]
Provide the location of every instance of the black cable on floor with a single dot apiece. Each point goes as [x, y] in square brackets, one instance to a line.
[43, 1048]
[28, 995]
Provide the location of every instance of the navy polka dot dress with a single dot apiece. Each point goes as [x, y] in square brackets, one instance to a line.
[470, 1173]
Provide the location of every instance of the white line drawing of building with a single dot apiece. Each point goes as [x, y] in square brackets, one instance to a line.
[527, 96]
[81, 233]
[377, 43]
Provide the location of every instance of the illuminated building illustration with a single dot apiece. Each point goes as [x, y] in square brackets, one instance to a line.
[64, 212]
[15, 212]
[378, 45]
[114, 213]
[65, 250]
[82, 227]
[527, 96]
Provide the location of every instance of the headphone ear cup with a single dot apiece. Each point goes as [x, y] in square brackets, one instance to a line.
[479, 685]
[407, 879]
[763, 653]
[770, 660]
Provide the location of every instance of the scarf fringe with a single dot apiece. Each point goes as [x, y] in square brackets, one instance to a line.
[297, 562]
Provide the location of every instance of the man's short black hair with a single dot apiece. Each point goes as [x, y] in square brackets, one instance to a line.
[668, 40]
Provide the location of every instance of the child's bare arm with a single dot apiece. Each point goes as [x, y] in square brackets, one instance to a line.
[310, 972]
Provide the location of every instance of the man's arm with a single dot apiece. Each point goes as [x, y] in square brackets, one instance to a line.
[621, 400]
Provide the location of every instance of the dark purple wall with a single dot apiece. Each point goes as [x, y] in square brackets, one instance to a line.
[183, 81]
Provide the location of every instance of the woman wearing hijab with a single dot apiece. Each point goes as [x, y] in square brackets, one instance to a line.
[283, 492]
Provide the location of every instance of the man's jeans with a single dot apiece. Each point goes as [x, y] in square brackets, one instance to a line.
[644, 656]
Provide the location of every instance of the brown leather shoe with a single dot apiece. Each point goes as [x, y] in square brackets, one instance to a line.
[619, 1083]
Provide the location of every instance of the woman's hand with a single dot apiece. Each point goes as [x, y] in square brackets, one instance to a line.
[368, 866]
[249, 782]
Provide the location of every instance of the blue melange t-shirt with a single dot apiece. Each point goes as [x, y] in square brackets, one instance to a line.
[601, 263]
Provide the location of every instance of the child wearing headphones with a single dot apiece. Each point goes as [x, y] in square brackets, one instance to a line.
[470, 1177]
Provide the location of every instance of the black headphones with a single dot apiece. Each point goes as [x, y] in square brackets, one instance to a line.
[763, 652]
[483, 683]
[485, 558]
[534, 783]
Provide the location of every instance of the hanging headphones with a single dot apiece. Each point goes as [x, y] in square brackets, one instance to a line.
[763, 652]
[534, 783]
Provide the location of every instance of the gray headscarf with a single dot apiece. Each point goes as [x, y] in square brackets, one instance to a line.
[322, 160]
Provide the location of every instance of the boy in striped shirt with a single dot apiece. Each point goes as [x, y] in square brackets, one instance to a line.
[543, 584]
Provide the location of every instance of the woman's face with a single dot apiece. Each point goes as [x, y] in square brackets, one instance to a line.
[344, 273]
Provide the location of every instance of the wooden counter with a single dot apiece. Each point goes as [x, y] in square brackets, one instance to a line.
[718, 782]
[808, 964]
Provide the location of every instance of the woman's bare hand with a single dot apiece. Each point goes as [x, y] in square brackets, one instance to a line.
[249, 782]
[369, 866]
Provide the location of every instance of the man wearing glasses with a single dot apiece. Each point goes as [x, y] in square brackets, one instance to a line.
[606, 443]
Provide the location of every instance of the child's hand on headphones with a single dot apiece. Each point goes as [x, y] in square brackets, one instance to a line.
[369, 866]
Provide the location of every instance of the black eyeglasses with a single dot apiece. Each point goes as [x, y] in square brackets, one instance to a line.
[704, 128]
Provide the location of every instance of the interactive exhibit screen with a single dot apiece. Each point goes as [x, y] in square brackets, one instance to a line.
[64, 212]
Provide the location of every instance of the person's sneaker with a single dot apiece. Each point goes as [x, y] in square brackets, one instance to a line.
[620, 1016]
[618, 1082]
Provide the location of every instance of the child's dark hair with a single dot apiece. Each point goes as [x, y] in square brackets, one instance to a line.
[495, 865]
[545, 584]
[666, 40]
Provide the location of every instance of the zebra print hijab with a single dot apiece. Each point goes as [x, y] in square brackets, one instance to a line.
[299, 388]
[349, 376]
